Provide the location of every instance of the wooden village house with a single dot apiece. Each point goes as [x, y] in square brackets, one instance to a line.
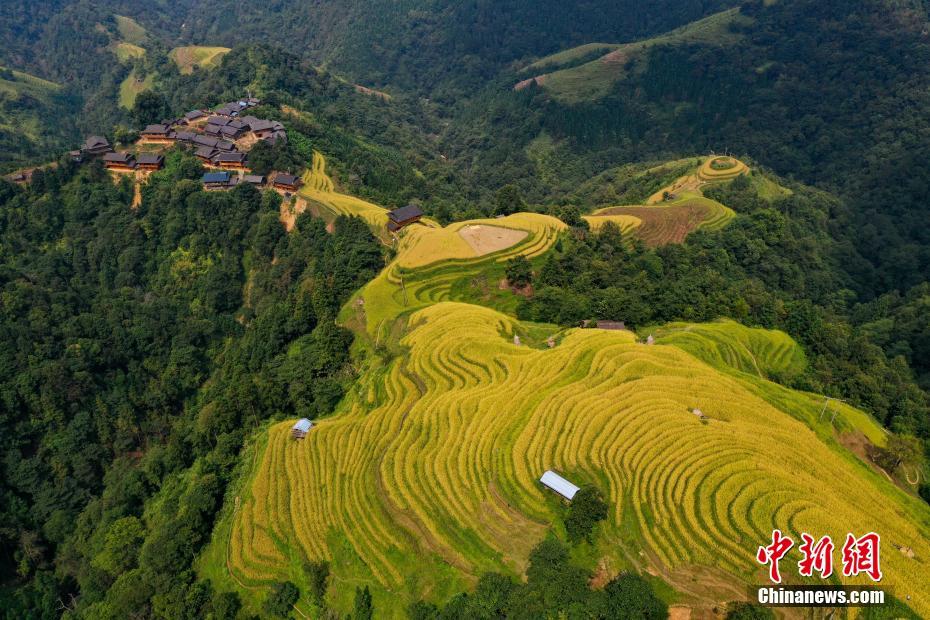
[286, 182]
[235, 161]
[404, 216]
[120, 162]
[150, 162]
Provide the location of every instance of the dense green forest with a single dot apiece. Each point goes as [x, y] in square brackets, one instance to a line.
[140, 349]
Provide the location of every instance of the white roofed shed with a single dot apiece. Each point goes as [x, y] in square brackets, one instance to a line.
[559, 484]
[301, 428]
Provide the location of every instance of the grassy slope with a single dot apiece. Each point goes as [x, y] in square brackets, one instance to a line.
[425, 476]
[594, 79]
[190, 56]
[26, 102]
[132, 86]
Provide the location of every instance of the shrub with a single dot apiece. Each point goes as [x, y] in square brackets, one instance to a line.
[586, 510]
[281, 600]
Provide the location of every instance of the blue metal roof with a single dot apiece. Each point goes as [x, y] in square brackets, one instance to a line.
[216, 177]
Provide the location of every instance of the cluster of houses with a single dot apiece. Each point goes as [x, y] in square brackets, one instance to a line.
[219, 139]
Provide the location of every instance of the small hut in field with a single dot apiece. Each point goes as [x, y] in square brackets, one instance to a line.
[560, 485]
[301, 428]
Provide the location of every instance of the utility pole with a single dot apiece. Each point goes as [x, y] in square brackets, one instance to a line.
[827, 403]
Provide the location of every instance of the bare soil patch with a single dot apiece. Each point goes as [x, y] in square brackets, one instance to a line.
[487, 239]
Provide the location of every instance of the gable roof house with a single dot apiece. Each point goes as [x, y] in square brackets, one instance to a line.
[225, 145]
[206, 153]
[287, 182]
[213, 129]
[185, 136]
[96, 145]
[205, 141]
[230, 132]
[150, 161]
[156, 133]
[404, 216]
[194, 116]
[230, 160]
[123, 162]
[254, 179]
[213, 181]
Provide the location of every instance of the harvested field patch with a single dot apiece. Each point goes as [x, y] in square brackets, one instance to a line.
[672, 222]
[487, 239]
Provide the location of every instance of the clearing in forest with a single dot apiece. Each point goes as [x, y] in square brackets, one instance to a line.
[190, 56]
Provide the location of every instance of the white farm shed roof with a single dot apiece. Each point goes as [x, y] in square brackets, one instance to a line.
[559, 484]
[303, 425]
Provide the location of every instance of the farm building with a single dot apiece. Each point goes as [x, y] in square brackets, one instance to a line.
[398, 218]
[287, 182]
[219, 180]
[560, 485]
[254, 179]
[119, 161]
[150, 161]
[301, 428]
[230, 160]
[96, 145]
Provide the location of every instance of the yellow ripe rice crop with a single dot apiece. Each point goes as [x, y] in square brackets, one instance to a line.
[721, 169]
[435, 481]
[319, 187]
[424, 245]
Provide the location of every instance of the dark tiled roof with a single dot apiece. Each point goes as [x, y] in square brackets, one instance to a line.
[156, 129]
[405, 213]
[94, 142]
[218, 120]
[194, 114]
[257, 179]
[205, 140]
[225, 145]
[261, 125]
[185, 136]
[118, 158]
[206, 152]
[231, 157]
[285, 179]
[150, 158]
[216, 177]
[230, 131]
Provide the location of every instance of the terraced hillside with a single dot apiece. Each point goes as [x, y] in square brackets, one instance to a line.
[428, 476]
[673, 212]
[319, 188]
